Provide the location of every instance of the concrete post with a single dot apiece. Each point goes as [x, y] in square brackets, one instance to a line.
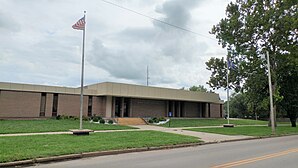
[109, 106]
[122, 107]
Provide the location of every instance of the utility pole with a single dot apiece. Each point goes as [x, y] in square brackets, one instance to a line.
[271, 97]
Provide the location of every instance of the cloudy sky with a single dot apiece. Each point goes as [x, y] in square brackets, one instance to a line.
[38, 45]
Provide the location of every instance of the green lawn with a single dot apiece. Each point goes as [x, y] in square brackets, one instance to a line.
[29, 147]
[249, 130]
[211, 122]
[51, 125]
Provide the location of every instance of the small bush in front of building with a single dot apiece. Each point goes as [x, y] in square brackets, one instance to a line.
[111, 122]
[162, 119]
[155, 120]
[64, 117]
[95, 119]
[150, 121]
[102, 121]
[58, 117]
[73, 118]
[85, 118]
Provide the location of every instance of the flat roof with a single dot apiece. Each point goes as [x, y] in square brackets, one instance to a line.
[119, 90]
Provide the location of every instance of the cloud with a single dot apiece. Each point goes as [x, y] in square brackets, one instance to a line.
[39, 46]
[127, 53]
[8, 23]
[176, 12]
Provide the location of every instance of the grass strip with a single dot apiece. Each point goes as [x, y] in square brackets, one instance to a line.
[30, 147]
[51, 125]
[211, 122]
[259, 131]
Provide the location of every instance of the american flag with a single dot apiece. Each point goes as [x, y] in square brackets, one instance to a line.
[80, 25]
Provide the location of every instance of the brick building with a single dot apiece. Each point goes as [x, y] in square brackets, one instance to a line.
[107, 100]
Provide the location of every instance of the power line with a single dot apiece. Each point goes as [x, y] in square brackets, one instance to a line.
[160, 21]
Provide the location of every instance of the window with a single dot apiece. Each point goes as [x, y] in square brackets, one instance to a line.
[43, 101]
[90, 106]
[209, 115]
[220, 110]
[55, 105]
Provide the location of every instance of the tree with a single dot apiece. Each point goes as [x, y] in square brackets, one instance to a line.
[289, 82]
[199, 88]
[238, 106]
[251, 28]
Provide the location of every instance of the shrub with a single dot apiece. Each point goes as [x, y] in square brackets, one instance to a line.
[155, 120]
[162, 119]
[95, 119]
[85, 118]
[102, 121]
[63, 117]
[150, 121]
[58, 117]
[111, 122]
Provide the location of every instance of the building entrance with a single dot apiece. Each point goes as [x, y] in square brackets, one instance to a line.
[122, 107]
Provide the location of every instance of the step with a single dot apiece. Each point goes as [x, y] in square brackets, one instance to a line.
[131, 121]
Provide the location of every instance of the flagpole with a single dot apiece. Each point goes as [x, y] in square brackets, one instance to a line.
[228, 96]
[82, 77]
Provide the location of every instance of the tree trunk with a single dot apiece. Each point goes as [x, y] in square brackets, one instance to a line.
[293, 121]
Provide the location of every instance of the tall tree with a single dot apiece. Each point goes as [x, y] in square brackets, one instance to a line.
[251, 28]
[288, 79]
[199, 88]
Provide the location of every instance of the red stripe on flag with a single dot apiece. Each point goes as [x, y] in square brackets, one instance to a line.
[80, 24]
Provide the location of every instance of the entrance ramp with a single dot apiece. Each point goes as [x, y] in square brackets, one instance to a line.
[131, 121]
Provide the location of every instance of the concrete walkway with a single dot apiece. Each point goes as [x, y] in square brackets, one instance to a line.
[206, 137]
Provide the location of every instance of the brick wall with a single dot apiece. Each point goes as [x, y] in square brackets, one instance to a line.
[191, 109]
[69, 105]
[148, 108]
[19, 104]
[215, 110]
[99, 106]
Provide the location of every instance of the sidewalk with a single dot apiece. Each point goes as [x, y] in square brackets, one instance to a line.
[206, 137]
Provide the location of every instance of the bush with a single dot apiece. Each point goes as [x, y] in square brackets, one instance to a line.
[156, 120]
[63, 117]
[95, 119]
[102, 121]
[162, 119]
[58, 117]
[111, 122]
[84, 118]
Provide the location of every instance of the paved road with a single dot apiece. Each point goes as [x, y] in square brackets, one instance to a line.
[271, 152]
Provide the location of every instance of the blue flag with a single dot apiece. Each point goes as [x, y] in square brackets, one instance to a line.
[231, 65]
